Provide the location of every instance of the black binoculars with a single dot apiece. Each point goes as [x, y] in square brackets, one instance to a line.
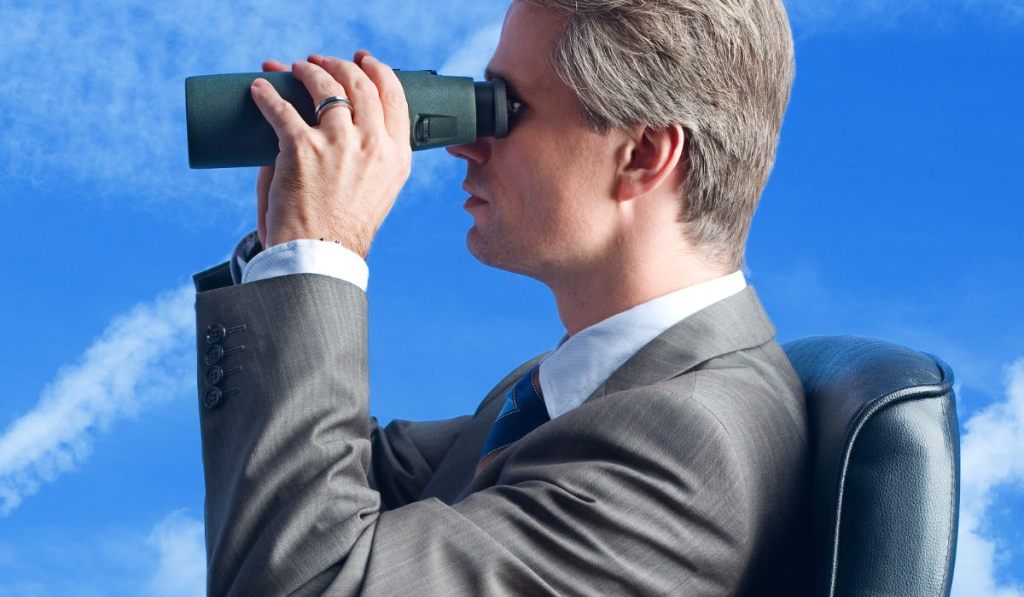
[227, 130]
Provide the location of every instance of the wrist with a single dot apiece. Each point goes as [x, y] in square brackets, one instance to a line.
[352, 242]
[349, 246]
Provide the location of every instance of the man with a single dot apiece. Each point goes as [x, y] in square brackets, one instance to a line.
[660, 449]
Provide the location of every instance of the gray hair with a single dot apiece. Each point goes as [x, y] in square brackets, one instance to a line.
[720, 68]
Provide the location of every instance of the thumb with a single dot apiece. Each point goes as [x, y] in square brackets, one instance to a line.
[263, 180]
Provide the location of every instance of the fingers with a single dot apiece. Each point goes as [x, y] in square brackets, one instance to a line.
[321, 85]
[273, 66]
[368, 112]
[359, 55]
[378, 99]
[391, 93]
[279, 113]
[266, 173]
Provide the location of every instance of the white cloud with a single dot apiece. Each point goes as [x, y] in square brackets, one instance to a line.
[145, 354]
[181, 569]
[471, 59]
[142, 356]
[93, 92]
[164, 559]
[990, 458]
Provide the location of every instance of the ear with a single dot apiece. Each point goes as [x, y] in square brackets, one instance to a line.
[649, 160]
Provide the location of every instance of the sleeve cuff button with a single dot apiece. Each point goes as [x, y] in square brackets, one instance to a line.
[215, 333]
[212, 398]
[214, 375]
[214, 355]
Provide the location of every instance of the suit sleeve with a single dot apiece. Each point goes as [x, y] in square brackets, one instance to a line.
[624, 507]
[406, 454]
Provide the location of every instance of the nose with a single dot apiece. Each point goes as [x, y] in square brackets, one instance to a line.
[478, 151]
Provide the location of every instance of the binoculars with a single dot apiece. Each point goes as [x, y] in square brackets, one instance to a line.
[227, 130]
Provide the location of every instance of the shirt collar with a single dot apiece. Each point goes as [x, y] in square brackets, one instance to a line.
[582, 362]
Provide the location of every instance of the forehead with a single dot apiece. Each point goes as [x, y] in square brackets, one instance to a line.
[524, 54]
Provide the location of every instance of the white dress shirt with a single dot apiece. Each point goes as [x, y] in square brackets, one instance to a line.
[582, 362]
[305, 256]
[577, 366]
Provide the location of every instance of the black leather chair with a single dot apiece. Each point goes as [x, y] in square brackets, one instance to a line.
[886, 467]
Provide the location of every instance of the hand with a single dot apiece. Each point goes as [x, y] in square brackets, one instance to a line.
[337, 180]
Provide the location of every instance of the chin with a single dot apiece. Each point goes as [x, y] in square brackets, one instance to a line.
[494, 255]
[476, 246]
[483, 249]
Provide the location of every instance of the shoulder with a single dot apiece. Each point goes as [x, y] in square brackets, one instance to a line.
[757, 395]
[729, 391]
[740, 416]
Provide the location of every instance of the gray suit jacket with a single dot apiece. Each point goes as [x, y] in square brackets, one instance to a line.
[682, 475]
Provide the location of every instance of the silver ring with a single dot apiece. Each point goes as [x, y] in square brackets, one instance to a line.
[329, 103]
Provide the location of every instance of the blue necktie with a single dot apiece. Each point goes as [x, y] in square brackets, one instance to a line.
[522, 412]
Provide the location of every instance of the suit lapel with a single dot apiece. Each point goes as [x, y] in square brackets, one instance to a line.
[732, 324]
[729, 325]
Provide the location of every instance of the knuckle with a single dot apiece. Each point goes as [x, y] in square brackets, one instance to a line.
[318, 144]
[280, 108]
[339, 142]
[327, 87]
[361, 85]
[305, 144]
[350, 137]
[374, 146]
[393, 98]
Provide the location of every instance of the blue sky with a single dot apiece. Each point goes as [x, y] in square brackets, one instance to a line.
[894, 211]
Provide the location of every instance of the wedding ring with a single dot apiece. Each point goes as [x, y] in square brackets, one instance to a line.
[329, 103]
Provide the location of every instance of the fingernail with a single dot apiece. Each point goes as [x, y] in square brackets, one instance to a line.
[259, 83]
[370, 58]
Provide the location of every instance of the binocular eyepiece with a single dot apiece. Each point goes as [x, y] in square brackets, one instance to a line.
[227, 130]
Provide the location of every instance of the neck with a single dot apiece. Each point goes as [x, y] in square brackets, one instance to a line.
[621, 283]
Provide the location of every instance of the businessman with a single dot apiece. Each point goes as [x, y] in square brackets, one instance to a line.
[660, 449]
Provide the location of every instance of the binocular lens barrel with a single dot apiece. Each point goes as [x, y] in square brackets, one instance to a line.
[227, 130]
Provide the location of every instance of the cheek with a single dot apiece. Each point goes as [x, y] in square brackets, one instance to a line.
[556, 209]
[583, 214]
[552, 183]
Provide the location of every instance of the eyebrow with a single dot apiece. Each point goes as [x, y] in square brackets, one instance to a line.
[513, 84]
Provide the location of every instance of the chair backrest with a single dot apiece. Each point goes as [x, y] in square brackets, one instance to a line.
[885, 447]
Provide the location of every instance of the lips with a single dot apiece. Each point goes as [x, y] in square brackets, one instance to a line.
[472, 191]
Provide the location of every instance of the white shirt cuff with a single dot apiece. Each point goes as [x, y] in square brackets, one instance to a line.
[308, 256]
